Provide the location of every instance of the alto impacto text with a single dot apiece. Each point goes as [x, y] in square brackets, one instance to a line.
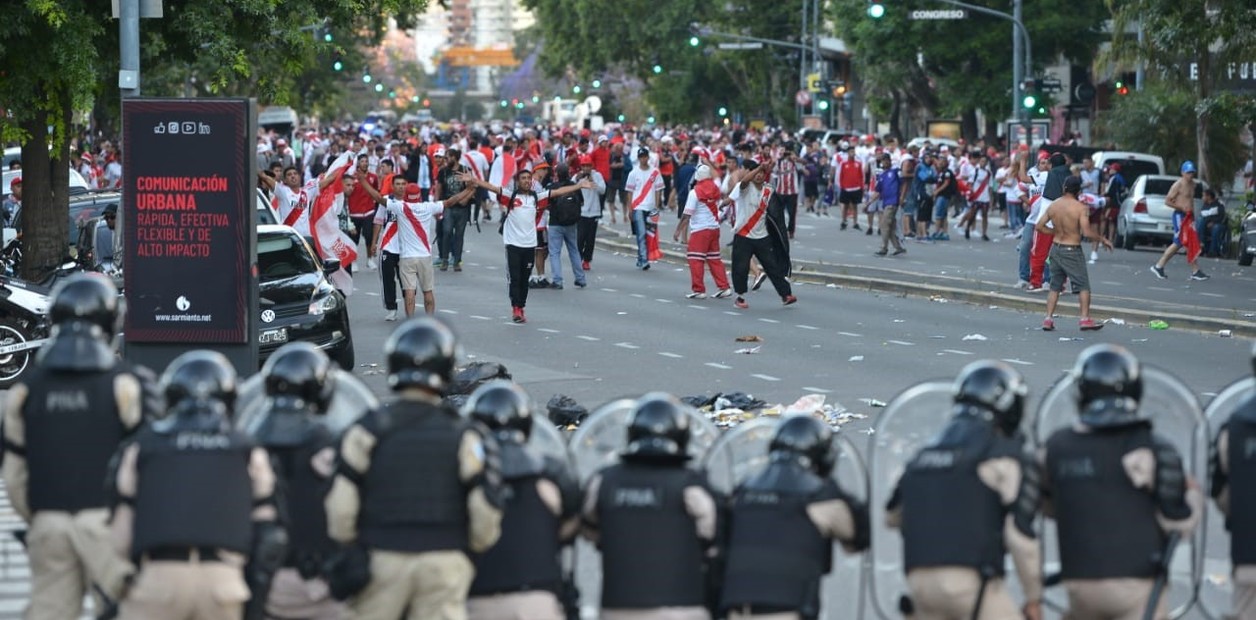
[162, 233]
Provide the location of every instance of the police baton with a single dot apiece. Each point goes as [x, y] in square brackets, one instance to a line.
[1162, 574]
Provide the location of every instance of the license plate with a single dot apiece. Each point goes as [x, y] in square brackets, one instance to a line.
[270, 336]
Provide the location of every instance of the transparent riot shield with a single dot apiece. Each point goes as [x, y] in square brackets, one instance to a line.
[743, 452]
[910, 421]
[597, 444]
[1176, 416]
[1216, 590]
[350, 399]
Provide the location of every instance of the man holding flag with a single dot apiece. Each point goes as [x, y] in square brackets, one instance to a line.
[323, 222]
[645, 185]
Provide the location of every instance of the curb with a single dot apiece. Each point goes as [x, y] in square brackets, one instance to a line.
[816, 273]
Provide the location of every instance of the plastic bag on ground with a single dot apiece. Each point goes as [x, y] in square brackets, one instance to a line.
[565, 411]
[472, 376]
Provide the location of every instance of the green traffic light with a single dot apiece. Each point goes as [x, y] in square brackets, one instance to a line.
[327, 37]
[366, 78]
[504, 103]
[576, 89]
[379, 88]
[1029, 101]
[650, 120]
[824, 105]
[723, 111]
[620, 118]
[536, 99]
[414, 99]
[658, 69]
[597, 83]
[337, 65]
[392, 94]
[694, 41]
[876, 10]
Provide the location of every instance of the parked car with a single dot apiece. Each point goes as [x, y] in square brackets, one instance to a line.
[84, 206]
[265, 213]
[78, 184]
[1133, 165]
[295, 299]
[1247, 235]
[1144, 217]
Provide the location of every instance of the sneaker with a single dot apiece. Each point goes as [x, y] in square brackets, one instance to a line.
[856, 226]
[1035, 289]
[522, 318]
[1094, 256]
[758, 281]
[880, 252]
[1159, 271]
[899, 251]
[581, 284]
[1089, 325]
[1048, 325]
[985, 238]
[869, 233]
[443, 265]
[645, 267]
[584, 265]
[696, 296]
[943, 237]
[391, 315]
[543, 282]
[516, 314]
[556, 285]
[1199, 275]
[370, 263]
[723, 294]
[968, 235]
[844, 225]
[741, 303]
[789, 300]
[458, 266]
[1022, 284]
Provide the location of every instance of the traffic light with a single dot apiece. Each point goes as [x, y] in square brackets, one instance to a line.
[414, 99]
[1030, 101]
[366, 79]
[620, 118]
[597, 83]
[650, 120]
[1121, 88]
[536, 99]
[839, 90]
[823, 104]
[327, 36]
[504, 103]
[694, 41]
[379, 88]
[575, 90]
[723, 111]
[658, 68]
[336, 63]
[876, 10]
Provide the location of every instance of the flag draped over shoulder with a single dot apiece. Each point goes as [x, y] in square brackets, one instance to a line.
[329, 240]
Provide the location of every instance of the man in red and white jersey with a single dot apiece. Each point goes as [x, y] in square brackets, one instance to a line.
[850, 185]
[416, 228]
[362, 205]
[785, 179]
[388, 248]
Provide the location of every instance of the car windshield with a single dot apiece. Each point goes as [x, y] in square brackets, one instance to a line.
[282, 256]
[1160, 187]
[1131, 169]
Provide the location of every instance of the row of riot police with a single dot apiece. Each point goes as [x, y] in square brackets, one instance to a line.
[294, 494]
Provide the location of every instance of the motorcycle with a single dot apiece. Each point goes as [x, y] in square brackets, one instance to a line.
[1247, 235]
[24, 326]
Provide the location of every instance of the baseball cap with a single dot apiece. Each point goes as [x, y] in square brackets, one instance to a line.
[643, 152]
[15, 183]
[586, 160]
[601, 139]
[1188, 166]
[439, 153]
[413, 193]
[1072, 185]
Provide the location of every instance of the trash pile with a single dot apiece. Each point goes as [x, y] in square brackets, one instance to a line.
[731, 409]
[470, 377]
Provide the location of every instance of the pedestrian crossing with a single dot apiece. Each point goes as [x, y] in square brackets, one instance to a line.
[15, 572]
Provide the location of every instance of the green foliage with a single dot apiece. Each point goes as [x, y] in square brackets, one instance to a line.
[1160, 119]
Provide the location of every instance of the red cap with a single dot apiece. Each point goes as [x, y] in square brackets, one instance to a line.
[1043, 155]
[1116, 167]
[586, 160]
[1024, 148]
[15, 183]
[413, 193]
[87, 156]
[584, 133]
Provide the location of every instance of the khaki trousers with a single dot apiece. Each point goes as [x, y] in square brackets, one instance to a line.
[949, 593]
[191, 590]
[423, 586]
[539, 605]
[69, 553]
[300, 599]
[1110, 599]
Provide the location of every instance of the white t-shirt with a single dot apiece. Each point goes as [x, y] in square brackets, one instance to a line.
[425, 213]
[980, 176]
[1090, 181]
[113, 174]
[387, 222]
[301, 199]
[700, 215]
[746, 203]
[636, 182]
[521, 218]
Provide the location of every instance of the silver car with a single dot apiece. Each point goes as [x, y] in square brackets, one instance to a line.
[1144, 218]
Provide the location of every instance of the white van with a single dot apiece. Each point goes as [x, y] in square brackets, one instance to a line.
[1133, 165]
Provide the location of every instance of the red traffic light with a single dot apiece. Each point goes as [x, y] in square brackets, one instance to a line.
[1124, 90]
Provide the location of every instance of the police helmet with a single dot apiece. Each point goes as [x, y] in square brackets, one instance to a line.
[299, 376]
[658, 429]
[807, 439]
[199, 379]
[1109, 385]
[995, 387]
[87, 297]
[503, 407]
[421, 354]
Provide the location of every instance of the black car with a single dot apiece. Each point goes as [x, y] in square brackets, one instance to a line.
[296, 301]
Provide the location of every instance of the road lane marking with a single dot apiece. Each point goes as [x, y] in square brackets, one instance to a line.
[957, 351]
[663, 301]
[1213, 295]
[1160, 288]
[769, 320]
[1111, 283]
[626, 345]
[1018, 362]
[480, 318]
[851, 334]
[766, 377]
[610, 290]
[697, 307]
[902, 343]
[674, 356]
[731, 313]
[446, 311]
[637, 295]
[718, 365]
[548, 330]
[806, 327]
[589, 338]
[817, 390]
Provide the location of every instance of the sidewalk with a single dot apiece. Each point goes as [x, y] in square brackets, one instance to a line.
[983, 273]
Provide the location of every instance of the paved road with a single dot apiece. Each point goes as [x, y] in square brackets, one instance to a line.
[633, 331]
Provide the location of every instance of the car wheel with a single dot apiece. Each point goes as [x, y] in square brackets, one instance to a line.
[14, 364]
[1127, 240]
[1245, 258]
[345, 357]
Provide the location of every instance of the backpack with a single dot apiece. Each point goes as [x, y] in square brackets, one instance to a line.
[565, 210]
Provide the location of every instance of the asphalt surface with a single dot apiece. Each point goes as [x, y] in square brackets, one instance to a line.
[631, 331]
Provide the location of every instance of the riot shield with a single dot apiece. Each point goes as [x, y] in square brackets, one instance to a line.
[1177, 417]
[597, 444]
[743, 452]
[350, 399]
[1216, 590]
[910, 421]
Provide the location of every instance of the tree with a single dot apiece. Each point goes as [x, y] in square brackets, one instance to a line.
[1212, 34]
[59, 55]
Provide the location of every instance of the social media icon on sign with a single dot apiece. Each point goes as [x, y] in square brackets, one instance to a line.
[204, 129]
[182, 303]
[172, 127]
[189, 127]
[159, 129]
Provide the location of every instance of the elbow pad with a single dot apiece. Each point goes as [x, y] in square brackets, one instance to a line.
[1028, 497]
[1170, 485]
[863, 525]
[1217, 477]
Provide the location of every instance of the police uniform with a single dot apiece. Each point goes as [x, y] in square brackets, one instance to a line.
[1234, 489]
[968, 499]
[62, 424]
[782, 524]
[654, 521]
[413, 488]
[196, 501]
[521, 577]
[1116, 490]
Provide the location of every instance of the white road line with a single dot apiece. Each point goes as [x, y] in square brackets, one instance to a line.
[1213, 295]
[806, 327]
[589, 338]
[902, 343]
[548, 330]
[731, 313]
[717, 365]
[663, 301]
[1111, 283]
[957, 351]
[446, 311]
[610, 290]
[697, 307]
[766, 377]
[769, 320]
[1160, 288]
[480, 318]
[626, 345]
[851, 334]
[674, 356]
[637, 295]
[1018, 362]
[817, 390]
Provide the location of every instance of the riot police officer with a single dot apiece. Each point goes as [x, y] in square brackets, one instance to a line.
[414, 488]
[782, 524]
[299, 384]
[62, 424]
[1115, 489]
[653, 519]
[1234, 489]
[521, 576]
[196, 502]
[967, 499]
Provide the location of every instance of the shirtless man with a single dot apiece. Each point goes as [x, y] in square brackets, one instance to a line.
[1069, 221]
[1181, 199]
